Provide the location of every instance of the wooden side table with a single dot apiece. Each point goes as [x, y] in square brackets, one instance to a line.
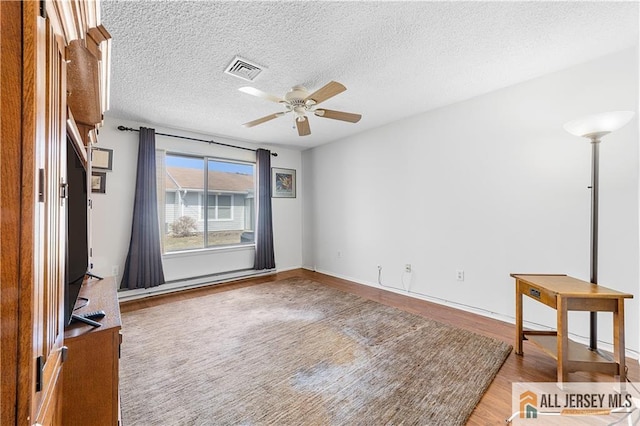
[564, 293]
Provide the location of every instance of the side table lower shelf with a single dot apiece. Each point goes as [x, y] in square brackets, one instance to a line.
[580, 358]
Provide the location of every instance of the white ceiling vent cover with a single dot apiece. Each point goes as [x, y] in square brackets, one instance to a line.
[243, 69]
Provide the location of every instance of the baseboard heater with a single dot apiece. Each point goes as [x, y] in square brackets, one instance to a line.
[125, 295]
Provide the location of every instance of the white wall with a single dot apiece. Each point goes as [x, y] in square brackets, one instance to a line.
[491, 186]
[112, 211]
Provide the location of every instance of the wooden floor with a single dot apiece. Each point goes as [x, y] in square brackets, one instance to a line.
[495, 406]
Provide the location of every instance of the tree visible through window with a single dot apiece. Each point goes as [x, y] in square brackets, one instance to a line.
[208, 203]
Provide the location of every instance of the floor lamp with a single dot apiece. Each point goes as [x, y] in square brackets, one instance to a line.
[594, 127]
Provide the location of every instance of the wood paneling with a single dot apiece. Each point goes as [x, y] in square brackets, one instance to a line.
[495, 406]
[10, 152]
[30, 301]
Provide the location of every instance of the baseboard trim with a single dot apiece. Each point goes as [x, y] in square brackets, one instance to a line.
[607, 346]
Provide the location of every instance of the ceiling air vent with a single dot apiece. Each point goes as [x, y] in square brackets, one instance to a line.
[243, 69]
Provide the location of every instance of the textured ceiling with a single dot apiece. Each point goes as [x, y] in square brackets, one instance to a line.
[397, 59]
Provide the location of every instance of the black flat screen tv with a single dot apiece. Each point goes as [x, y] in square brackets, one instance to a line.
[77, 235]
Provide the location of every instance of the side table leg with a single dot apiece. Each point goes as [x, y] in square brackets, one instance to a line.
[518, 319]
[562, 343]
[618, 339]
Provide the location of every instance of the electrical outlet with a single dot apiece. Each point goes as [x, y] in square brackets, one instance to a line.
[460, 275]
[407, 268]
[115, 270]
[339, 254]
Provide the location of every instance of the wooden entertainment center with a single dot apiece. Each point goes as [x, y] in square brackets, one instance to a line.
[54, 60]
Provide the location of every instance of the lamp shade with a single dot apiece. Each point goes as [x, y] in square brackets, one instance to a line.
[597, 125]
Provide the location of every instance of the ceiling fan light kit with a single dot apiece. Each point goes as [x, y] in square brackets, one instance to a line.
[300, 102]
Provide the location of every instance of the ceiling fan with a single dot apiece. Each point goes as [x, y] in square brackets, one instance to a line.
[299, 102]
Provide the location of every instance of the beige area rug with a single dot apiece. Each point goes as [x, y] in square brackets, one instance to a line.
[295, 352]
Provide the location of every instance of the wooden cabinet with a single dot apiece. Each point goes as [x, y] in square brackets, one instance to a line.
[36, 63]
[90, 373]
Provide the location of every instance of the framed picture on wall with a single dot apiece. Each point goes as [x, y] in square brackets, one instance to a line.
[101, 158]
[283, 183]
[99, 182]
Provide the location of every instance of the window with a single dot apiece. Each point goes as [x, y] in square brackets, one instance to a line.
[223, 207]
[220, 207]
[207, 202]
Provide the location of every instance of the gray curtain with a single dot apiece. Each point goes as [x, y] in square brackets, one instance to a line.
[265, 258]
[143, 268]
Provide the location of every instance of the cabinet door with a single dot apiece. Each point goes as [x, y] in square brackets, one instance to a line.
[49, 326]
[48, 235]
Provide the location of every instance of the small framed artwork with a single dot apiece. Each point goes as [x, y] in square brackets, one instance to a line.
[99, 182]
[101, 158]
[283, 183]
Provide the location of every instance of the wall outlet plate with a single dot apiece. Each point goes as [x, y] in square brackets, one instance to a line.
[460, 275]
[407, 268]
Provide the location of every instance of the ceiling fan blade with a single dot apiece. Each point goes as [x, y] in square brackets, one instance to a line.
[259, 93]
[327, 91]
[303, 127]
[263, 119]
[338, 115]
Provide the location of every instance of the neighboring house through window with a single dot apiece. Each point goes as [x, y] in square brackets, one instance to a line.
[220, 206]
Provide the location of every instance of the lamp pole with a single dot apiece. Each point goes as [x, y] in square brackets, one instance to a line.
[595, 159]
[594, 127]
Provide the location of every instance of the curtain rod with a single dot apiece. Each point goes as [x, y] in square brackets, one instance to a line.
[131, 129]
